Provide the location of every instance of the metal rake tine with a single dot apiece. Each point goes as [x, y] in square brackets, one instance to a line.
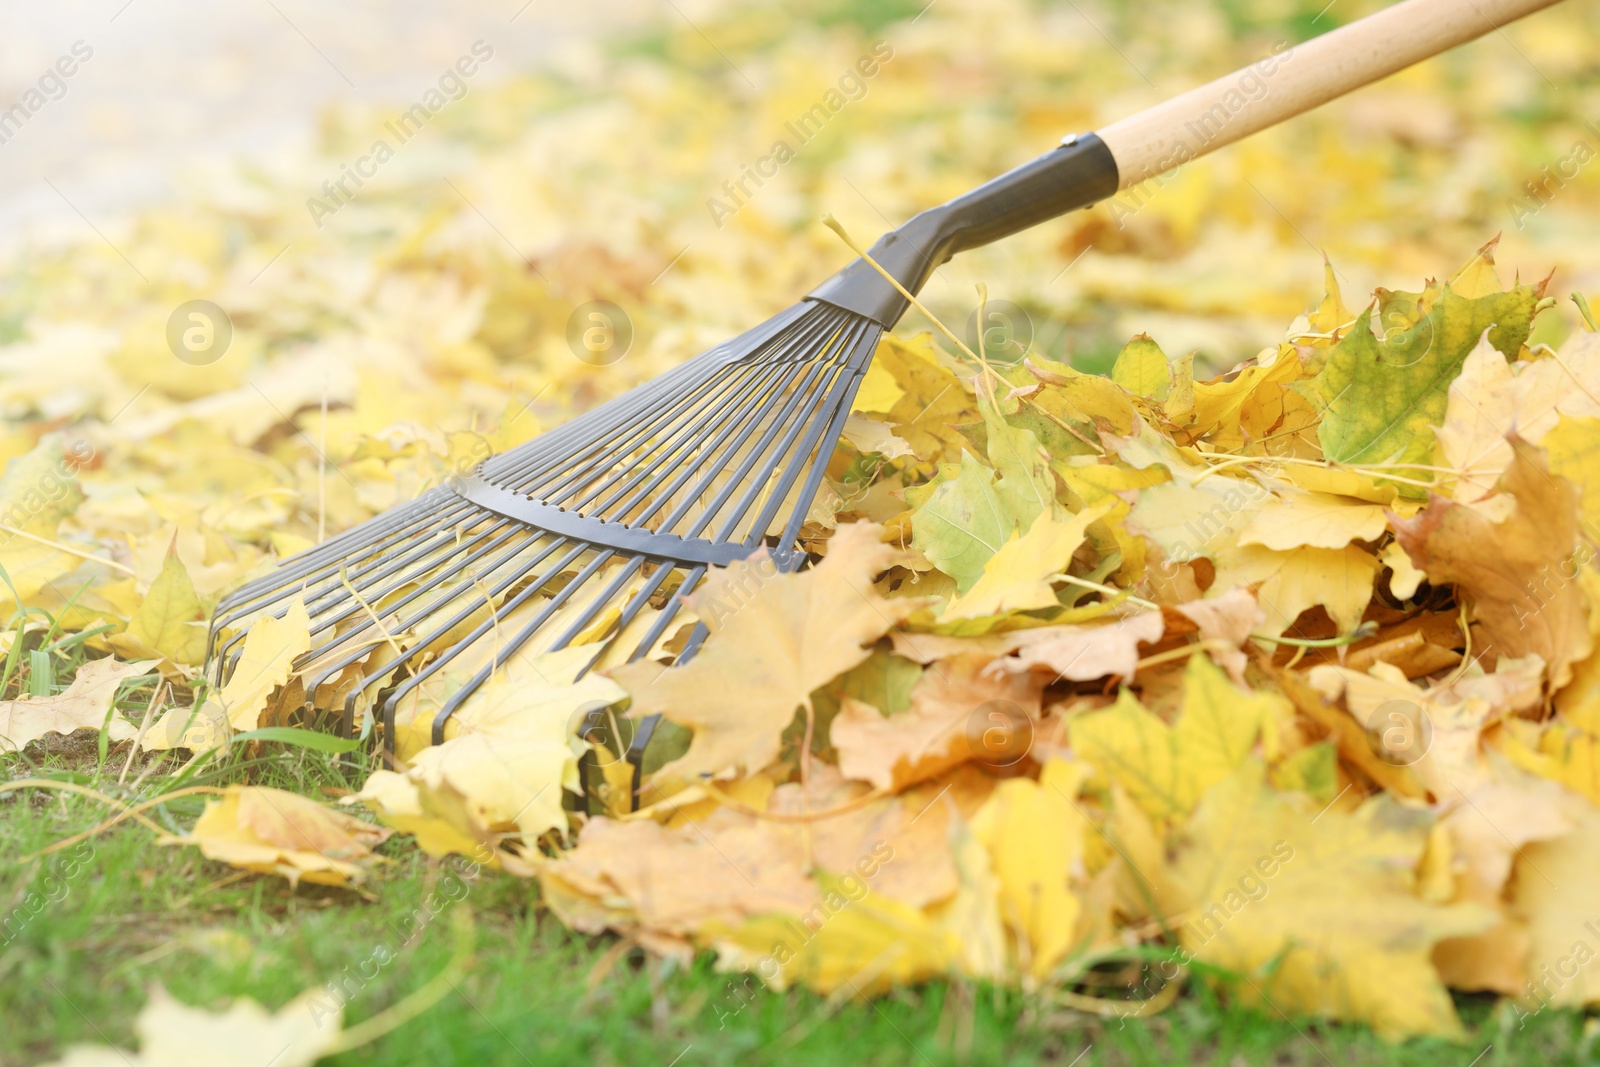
[461, 645]
[512, 647]
[510, 532]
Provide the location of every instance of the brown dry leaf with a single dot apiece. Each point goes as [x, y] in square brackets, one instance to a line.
[1229, 619]
[666, 883]
[954, 707]
[768, 651]
[86, 705]
[680, 885]
[1512, 569]
[1084, 653]
[276, 832]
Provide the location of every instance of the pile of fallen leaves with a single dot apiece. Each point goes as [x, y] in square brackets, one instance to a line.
[1285, 677]
[1292, 671]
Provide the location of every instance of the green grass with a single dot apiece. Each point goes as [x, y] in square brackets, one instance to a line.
[127, 913]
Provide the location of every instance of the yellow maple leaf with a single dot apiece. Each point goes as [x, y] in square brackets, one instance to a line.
[775, 638]
[1035, 840]
[397, 800]
[1288, 583]
[1314, 520]
[170, 621]
[1315, 912]
[1166, 769]
[1017, 577]
[1142, 369]
[265, 662]
[1255, 401]
[509, 755]
[1573, 450]
[932, 399]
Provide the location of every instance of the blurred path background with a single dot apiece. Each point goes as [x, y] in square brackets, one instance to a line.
[176, 86]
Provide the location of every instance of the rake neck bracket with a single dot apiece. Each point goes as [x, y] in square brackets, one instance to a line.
[1080, 172]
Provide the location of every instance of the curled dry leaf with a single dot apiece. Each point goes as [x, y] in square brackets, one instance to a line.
[955, 707]
[86, 705]
[1518, 570]
[276, 832]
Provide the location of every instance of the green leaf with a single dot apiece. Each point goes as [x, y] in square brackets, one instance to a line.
[1380, 399]
[41, 674]
[1026, 485]
[171, 620]
[1141, 368]
[289, 735]
[962, 518]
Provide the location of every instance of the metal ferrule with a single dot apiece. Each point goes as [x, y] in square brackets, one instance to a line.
[1075, 175]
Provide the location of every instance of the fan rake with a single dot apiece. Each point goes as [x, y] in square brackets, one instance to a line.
[606, 520]
[592, 534]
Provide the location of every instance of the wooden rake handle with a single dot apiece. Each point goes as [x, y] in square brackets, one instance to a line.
[1282, 85]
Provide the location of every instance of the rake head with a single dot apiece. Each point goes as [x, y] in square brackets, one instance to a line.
[593, 533]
